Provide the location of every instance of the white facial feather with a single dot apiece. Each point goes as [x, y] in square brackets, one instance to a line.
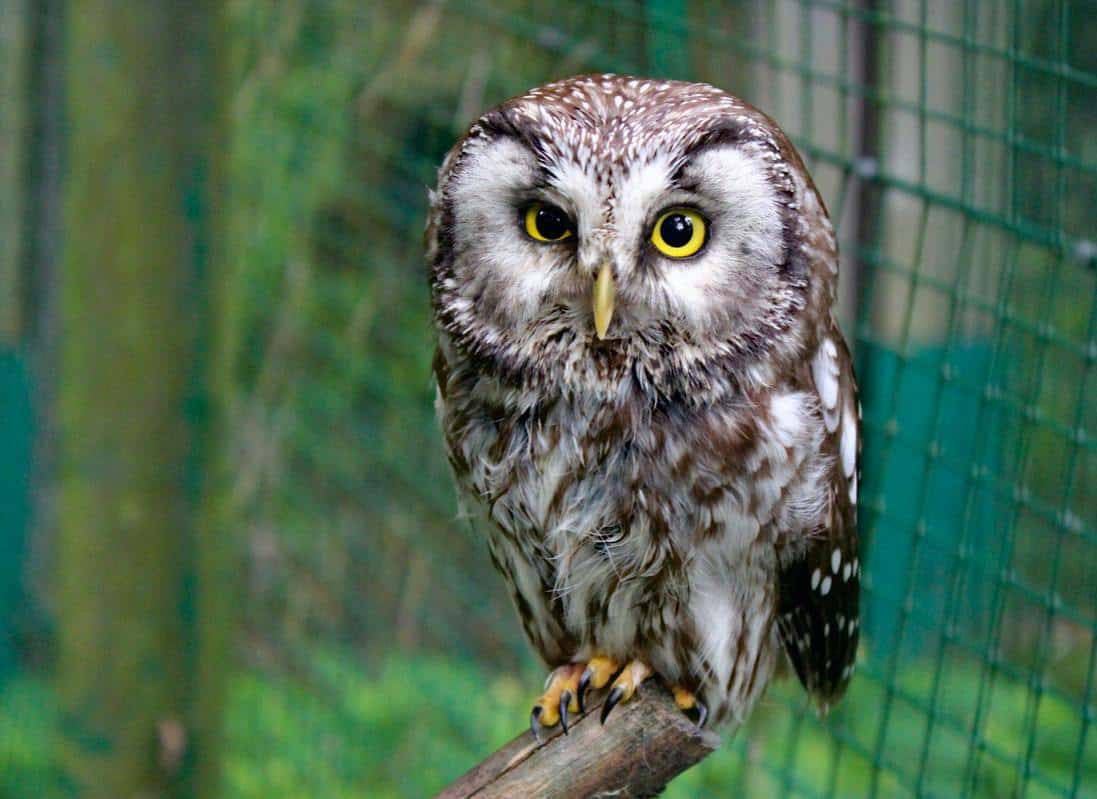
[506, 262]
[642, 192]
[580, 197]
[744, 234]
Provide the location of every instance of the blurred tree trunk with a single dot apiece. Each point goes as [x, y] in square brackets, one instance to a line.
[15, 394]
[143, 562]
[14, 38]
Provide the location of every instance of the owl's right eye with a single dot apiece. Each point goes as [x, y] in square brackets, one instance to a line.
[547, 223]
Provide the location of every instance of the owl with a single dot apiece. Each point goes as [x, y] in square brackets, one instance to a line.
[647, 404]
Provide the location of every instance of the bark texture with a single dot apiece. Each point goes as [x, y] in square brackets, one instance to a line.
[642, 746]
[143, 581]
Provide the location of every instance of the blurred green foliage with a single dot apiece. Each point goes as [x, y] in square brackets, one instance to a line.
[409, 725]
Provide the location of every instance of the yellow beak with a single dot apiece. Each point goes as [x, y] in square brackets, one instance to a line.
[604, 293]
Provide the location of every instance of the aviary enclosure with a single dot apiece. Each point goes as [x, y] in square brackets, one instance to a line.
[231, 563]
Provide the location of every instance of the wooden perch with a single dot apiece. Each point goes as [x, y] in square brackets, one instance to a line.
[643, 745]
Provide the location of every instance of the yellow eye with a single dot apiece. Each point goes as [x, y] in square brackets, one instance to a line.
[547, 223]
[679, 233]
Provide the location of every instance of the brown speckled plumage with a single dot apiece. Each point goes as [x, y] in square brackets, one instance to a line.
[683, 492]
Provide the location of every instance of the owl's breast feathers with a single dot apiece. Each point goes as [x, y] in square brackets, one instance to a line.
[624, 525]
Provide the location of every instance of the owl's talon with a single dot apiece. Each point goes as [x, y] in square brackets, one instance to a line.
[596, 675]
[689, 704]
[560, 698]
[584, 686]
[611, 701]
[565, 700]
[702, 714]
[626, 685]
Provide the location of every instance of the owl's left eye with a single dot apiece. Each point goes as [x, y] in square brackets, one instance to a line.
[679, 233]
[548, 223]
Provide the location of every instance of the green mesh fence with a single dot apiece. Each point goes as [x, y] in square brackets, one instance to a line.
[955, 144]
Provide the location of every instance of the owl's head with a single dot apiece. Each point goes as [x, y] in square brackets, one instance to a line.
[606, 227]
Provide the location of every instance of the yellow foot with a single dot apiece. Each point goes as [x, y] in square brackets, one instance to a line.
[624, 687]
[687, 701]
[597, 675]
[560, 698]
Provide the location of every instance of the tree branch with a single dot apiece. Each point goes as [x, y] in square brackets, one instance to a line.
[643, 745]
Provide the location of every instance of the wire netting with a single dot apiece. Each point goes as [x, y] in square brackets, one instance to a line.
[955, 144]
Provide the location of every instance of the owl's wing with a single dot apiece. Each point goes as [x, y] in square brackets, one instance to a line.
[819, 589]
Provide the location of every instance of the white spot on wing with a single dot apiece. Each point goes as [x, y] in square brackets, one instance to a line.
[824, 370]
[815, 577]
[824, 587]
[835, 560]
[849, 442]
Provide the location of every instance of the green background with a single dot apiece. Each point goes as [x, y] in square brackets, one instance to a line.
[230, 561]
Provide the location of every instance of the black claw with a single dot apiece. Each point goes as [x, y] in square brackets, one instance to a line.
[702, 713]
[611, 701]
[535, 722]
[584, 686]
[565, 700]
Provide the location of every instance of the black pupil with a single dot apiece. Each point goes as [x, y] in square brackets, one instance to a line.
[677, 230]
[551, 222]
